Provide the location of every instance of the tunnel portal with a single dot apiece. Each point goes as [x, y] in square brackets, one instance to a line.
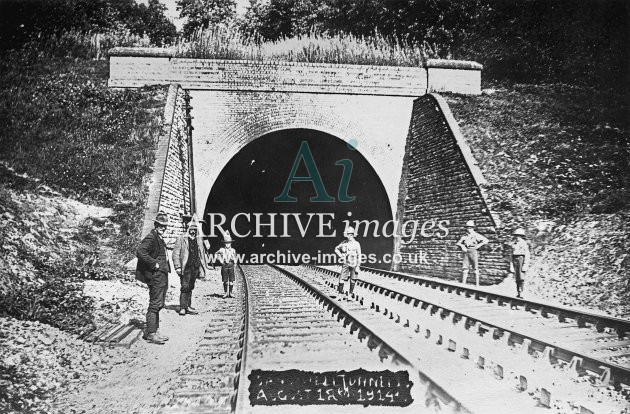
[298, 174]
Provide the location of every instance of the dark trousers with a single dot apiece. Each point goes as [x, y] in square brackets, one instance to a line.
[188, 278]
[517, 262]
[227, 272]
[158, 284]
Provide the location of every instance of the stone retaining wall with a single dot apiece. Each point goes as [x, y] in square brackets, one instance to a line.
[169, 190]
[441, 182]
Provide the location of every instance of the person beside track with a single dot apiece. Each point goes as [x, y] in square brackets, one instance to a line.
[520, 259]
[349, 254]
[153, 268]
[470, 243]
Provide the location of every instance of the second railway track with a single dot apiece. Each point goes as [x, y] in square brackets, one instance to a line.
[291, 321]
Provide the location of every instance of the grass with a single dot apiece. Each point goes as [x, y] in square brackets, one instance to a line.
[65, 128]
[229, 43]
[82, 45]
[557, 161]
[225, 43]
[549, 151]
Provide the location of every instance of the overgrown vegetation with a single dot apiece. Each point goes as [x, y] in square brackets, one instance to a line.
[226, 43]
[23, 21]
[58, 301]
[549, 151]
[28, 400]
[65, 130]
[62, 125]
[583, 41]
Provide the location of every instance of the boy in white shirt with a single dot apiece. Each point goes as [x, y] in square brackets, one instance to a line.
[349, 254]
[227, 257]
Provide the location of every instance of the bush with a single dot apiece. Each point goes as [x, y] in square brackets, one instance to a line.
[20, 398]
[58, 301]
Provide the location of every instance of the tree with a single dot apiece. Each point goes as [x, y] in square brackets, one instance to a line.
[155, 23]
[274, 19]
[201, 14]
[21, 20]
[252, 21]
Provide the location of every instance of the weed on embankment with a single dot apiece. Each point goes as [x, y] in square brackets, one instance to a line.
[65, 132]
[64, 127]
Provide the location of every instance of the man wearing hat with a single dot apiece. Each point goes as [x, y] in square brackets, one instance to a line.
[153, 269]
[470, 243]
[190, 262]
[520, 259]
[227, 257]
[349, 254]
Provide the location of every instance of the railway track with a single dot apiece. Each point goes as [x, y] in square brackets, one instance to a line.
[209, 379]
[602, 341]
[294, 337]
[558, 346]
[295, 326]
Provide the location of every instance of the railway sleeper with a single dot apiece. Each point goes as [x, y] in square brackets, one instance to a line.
[521, 371]
[525, 344]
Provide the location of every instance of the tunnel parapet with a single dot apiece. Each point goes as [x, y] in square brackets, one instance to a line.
[136, 67]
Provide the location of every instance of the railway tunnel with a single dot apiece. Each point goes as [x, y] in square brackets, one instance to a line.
[294, 191]
[279, 145]
[234, 132]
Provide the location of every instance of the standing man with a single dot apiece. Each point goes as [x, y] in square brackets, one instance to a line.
[227, 257]
[190, 262]
[153, 269]
[470, 243]
[349, 254]
[520, 259]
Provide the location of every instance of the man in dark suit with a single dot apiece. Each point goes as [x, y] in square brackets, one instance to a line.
[153, 269]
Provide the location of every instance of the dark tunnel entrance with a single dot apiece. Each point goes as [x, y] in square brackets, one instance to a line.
[256, 183]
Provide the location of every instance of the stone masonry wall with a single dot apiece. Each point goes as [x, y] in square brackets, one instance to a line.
[458, 76]
[231, 75]
[135, 67]
[170, 190]
[441, 181]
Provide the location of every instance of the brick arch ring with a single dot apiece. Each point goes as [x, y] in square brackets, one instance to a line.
[257, 124]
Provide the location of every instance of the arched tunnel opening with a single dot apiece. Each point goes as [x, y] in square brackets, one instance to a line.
[307, 183]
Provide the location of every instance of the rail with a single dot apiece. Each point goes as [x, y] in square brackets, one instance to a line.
[374, 340]
[608, 372]
[582, 318]
[240, 383]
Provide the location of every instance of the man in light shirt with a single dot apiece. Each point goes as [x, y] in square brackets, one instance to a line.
[470, 243]
[349, 254]
[520, 259]
[189, 260]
